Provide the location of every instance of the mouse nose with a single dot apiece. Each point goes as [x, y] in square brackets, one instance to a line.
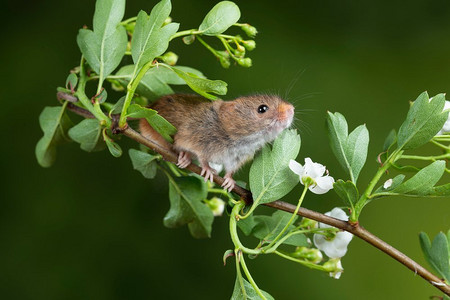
[285, 111]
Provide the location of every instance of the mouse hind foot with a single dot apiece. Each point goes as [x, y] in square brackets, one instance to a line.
[229, 183]
[184, 159]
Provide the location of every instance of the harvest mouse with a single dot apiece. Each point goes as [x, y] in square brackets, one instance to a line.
[227, 133]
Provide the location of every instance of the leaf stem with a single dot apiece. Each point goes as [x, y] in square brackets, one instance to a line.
[250, 278]
[233, 230]
[81, 95]
[366, 195]
[185, 32]
[302, 262]
[432, 158]
[294, 215]
[131, 88]
[130, 20]
[207, 46]
[237, 254]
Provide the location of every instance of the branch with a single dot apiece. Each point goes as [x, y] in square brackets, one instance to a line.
[245, 194]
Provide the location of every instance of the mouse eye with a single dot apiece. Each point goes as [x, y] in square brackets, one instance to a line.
[262, 109]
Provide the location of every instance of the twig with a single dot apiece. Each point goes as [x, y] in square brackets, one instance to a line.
[245, 194]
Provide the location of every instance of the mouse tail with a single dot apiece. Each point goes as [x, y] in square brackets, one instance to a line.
[151, 134]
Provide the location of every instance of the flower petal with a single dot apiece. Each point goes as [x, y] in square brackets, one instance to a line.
[296, 167]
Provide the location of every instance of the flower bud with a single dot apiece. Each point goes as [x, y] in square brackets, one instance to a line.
[245, 62]
[224, 58]
[189, 39]
[216, 205]
[130, 27]
[310, 254]
[167, 21]
[308, 223]
[249, 30]
[334, 267]
[249, 45]
[170, 58]
[240, 51]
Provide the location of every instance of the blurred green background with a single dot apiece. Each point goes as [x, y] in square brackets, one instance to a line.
[90, 227]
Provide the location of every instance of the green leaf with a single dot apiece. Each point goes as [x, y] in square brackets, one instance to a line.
[202, 86]
[441, 190]
[71, 81]
[390, 140]
[422, 183]
[137, 111]
[437, 253]
[250, 293]
[227, 254]
[267, 228]
[151, 37]
[270, 177]
[144, 162]
[105, 46]
[54, 123]
[396, 181]
[162, 126]
[347, 191]
[155, 83]
[88, 134]
[113, 147]
[117, 107]
[221, 17]
[425, 118]
[186, 206]
[350, 150]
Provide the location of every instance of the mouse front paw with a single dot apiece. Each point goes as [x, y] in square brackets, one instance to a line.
[207, 172]
[184, 159]
[229, 183]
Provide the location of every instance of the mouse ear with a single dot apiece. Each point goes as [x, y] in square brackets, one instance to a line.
[227, 107]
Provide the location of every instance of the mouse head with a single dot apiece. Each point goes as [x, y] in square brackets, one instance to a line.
[257, 114]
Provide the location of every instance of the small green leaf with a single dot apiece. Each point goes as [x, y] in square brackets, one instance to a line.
[270, 177]
[390, 140]
[155, 82]
[350, 150]
[151, 37]
[162, 126]
[71, 81]
[202, 86]
[396, 181]
[227, 254]
[117, 107]
[422, 183]
[250, 293]
[113, 147]
[88, 134]
[221, 17]
[268, 228]
[137, 111]
[186, 206]
[246, 225]
[144, 162]
[101, 98]
[437, 253]
[425, 118]
[441, 190]
[54, 123]
[105, 46]
[347, 191]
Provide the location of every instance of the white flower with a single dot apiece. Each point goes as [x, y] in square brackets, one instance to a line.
[387, 184]
[336, 247]
[338, 272]
[314, 171]
[446, 127]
